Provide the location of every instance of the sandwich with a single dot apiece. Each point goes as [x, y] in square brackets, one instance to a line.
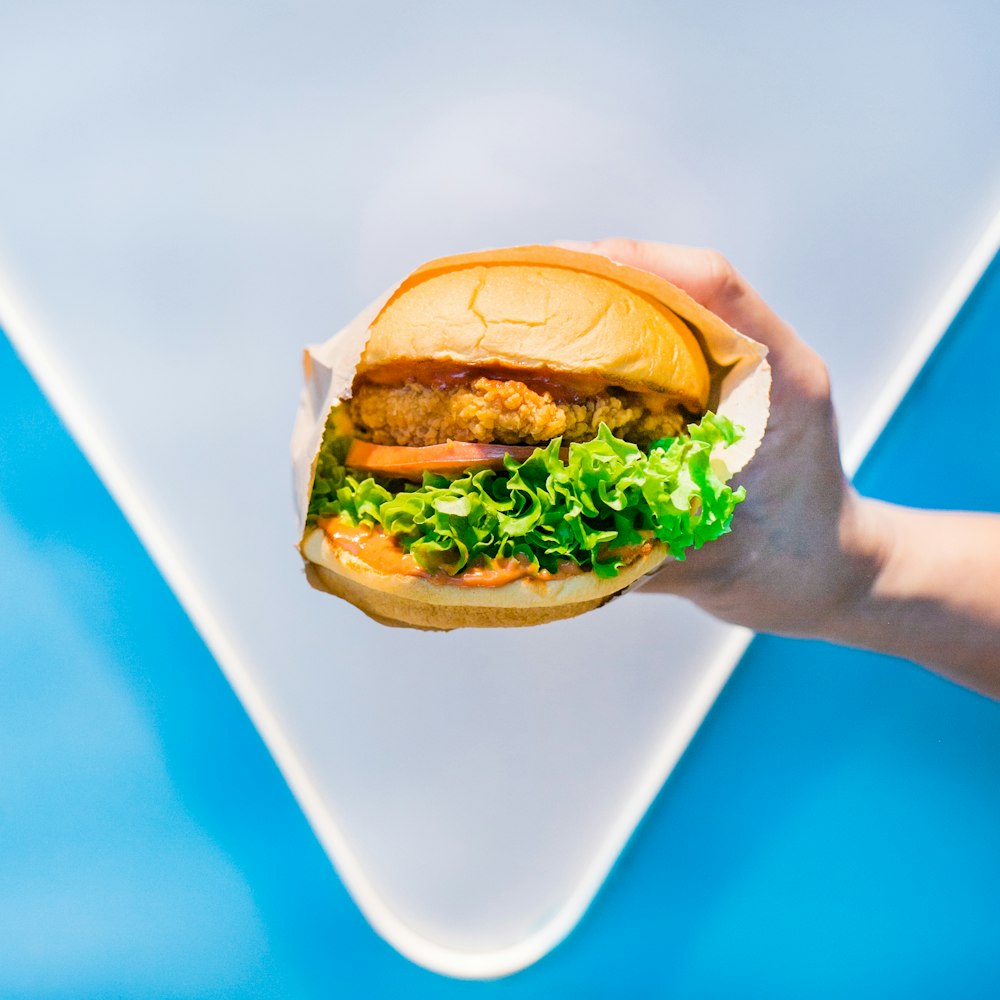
[525, 435]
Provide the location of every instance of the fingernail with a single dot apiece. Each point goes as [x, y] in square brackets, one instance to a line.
[583, 246]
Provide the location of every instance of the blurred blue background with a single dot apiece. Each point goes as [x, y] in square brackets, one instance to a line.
[832, 830]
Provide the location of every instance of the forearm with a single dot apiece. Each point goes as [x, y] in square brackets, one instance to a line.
[936, 597]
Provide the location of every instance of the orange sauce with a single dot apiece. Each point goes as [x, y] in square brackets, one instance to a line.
[561, 385]
[385, 555]
[372, 545]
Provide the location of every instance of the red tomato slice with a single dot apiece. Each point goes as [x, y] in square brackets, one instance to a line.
[451, 459]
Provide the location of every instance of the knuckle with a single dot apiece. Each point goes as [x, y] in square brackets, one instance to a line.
[815, 381]
[623, 248]
[723, 279]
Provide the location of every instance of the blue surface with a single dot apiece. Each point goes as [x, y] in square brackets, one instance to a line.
[832, 830]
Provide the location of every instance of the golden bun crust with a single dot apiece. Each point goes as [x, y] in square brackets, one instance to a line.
[549, 309]
[414, 602]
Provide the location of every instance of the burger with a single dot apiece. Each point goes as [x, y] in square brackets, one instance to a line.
[525, 435]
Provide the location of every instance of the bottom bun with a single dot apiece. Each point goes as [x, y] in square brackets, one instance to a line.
[415, 602]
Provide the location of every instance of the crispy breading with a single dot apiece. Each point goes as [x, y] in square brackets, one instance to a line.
[504, 411]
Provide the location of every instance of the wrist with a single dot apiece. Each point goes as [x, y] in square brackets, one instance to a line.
[867, 543]
[929, 593]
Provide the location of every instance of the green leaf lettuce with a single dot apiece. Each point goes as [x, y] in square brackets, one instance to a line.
[607, 495]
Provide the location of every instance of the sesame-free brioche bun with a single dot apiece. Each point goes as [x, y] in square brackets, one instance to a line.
[491, 311]
[415, 602]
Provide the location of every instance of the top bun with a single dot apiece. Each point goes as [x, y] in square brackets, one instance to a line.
[546, 311]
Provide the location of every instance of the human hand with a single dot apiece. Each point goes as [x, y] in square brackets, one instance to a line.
[802, 548]
[807, 556]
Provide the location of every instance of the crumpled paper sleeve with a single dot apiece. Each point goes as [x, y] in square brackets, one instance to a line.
[741, 376]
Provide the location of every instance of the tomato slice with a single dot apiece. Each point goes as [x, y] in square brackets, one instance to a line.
[450, 459]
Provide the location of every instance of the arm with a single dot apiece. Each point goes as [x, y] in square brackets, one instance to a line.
[808, 557]
[936, 597]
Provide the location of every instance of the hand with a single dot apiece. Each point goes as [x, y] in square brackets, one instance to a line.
[807, 556]
[800, 550]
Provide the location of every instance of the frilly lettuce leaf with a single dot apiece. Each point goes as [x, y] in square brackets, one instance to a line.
[607, 495]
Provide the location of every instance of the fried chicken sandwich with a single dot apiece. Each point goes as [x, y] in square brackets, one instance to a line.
[526, 434]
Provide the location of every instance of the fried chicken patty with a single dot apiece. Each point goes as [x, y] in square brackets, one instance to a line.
[501, 410]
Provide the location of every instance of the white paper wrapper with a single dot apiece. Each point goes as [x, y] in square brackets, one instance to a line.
[743, 390]
[329, 372]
